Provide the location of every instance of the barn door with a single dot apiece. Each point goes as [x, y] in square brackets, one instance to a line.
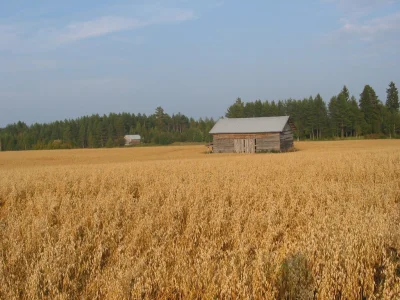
[244, 145]
[250, 146]
[238, 145]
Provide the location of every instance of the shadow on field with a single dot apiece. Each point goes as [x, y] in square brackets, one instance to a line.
[296, 279]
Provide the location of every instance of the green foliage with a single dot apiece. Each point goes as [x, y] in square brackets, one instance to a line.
[343, 118]
[105, 131]
[392, 100]
[369, 105]
[392, 104]
[237, 110]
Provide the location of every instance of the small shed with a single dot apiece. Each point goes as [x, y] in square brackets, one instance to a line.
[132, 139]
[250, 135]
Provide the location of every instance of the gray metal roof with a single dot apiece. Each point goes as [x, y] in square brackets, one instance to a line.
[132, 137]
[250, 125]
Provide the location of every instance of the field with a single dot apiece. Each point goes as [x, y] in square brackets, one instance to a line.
[174, 222]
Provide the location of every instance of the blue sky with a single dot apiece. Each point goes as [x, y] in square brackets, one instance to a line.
[65, 59]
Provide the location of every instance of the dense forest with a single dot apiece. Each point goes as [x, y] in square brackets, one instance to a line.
[106, 131]
[343, 116]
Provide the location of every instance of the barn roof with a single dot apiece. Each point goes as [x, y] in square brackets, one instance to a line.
[250, 125]
[133, 137]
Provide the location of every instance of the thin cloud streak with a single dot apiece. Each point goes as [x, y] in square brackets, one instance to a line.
[109, 24]
[359, 7]
[358, 24]
[383, 28]
[20, 38]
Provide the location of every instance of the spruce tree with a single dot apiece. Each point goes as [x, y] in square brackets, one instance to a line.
[236, 110]
[334, 116]
[342, 113]
[369, 105]
[392, 104]
[355, 117]
[320, 115]
[258, 108]
[392, 99]
[82, 134]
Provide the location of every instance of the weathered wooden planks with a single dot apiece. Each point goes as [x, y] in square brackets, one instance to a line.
[269, 143]
[223, 145]
[286, 138]
[244, 145]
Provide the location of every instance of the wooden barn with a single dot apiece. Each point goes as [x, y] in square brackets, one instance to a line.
[250, 135]
[132, 139]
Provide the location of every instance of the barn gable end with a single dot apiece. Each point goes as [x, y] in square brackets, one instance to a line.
[286, 138]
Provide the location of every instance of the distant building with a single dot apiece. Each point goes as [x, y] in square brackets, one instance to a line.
[250, 135]
[132, 139]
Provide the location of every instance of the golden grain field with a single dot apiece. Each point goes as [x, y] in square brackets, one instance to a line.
[174, 222]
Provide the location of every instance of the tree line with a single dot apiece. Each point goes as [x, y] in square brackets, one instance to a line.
[343, 116]
[106, 131]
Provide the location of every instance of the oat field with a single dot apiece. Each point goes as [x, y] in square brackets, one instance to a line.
[176, 223]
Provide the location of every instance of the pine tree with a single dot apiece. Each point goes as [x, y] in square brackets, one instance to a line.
[392, 100]
[355, 117]
[236, 110]
[334, 116]
[274, 110]
[266, 110]
[101, 133]
[345, 92]
[320, 115]
[110, 135]
[67, 135]
[342, 113]
[119, 131]
[258, 108]
[310, 119]
[249, 110]
[91, 136]
[392, 104]
[82, 134]
[369, 105]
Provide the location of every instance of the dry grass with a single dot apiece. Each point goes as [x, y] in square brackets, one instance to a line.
[173, 222]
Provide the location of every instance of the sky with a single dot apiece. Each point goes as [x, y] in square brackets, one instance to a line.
[66, 59]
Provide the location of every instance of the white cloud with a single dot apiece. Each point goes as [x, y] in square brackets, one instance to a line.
[108, 24]
[25, 38]
[387, 27]
[359, 9]
[94, 28]
[351, 5]
[359, 22]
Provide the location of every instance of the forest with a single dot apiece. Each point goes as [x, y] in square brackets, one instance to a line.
[342, 117]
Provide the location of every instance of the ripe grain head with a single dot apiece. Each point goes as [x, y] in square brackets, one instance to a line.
[173, 222]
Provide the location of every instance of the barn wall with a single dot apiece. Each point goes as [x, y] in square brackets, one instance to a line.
[131, 142]
[268, 143]
[286, 138]
[134, 142]
[225, 143]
